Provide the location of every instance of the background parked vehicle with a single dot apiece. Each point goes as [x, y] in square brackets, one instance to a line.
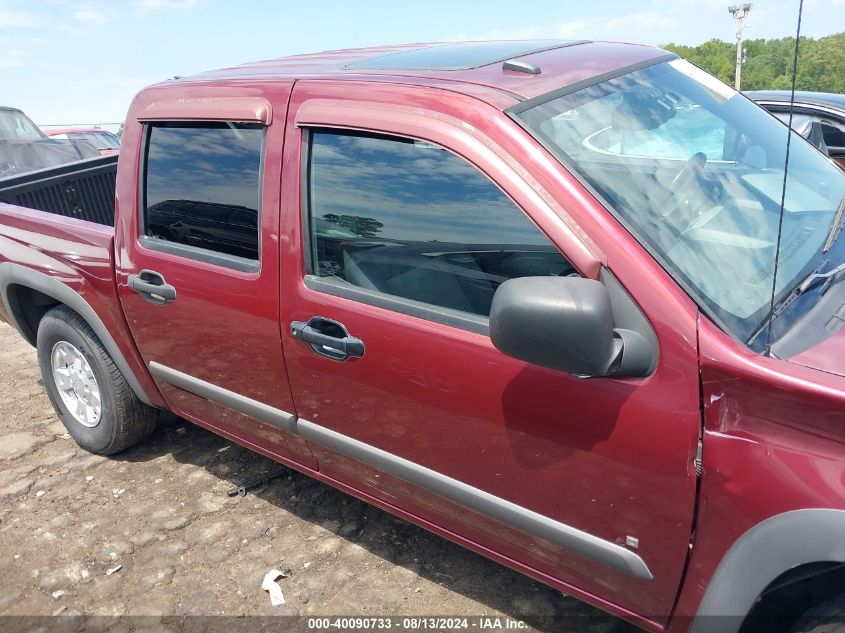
[825, 109]
[102, 140]
[24, 147]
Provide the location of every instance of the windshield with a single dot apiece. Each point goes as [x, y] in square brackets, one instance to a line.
[695, 171]
[15, 126]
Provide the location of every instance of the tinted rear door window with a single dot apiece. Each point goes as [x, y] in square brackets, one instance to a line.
[203, 186]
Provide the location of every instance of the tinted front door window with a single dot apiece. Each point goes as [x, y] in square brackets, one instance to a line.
[412, 220]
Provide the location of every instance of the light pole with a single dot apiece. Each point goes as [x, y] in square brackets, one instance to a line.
[739, 11]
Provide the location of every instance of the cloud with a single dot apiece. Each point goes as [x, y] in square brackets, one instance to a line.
[145, 6]
[94, 14]
[11, 59]
[642, 21]
[629, 26]
[710, 4]
[521, 33]
[71, 29]
[10, 19]
[81, 14]
[570, 29]
[563, 30]
[101, 98]
[399, 183]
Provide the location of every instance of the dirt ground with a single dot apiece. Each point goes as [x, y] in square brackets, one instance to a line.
[152, 532]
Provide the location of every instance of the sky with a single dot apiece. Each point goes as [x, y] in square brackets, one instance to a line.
[70, 61]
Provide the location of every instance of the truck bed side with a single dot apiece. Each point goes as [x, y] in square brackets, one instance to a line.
[83, 189]
[46, 260]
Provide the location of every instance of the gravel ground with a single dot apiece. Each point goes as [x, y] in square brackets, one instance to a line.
[151, 532]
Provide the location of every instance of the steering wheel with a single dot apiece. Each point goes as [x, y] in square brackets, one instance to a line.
[692, 170]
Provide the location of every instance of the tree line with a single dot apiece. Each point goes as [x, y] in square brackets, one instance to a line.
[768, 65]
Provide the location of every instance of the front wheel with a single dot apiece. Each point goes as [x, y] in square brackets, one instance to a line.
[87, 390]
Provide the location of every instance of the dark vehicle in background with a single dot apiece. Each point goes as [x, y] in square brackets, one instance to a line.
[103, 141]
[227, 227]
[825, 109]
[24, 147]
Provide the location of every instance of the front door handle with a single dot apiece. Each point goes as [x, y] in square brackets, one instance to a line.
[327, 338]
[152, 287]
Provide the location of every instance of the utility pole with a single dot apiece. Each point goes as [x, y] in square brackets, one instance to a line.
[739, 11]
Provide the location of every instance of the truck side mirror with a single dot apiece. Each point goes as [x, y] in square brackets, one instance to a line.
[566, 323]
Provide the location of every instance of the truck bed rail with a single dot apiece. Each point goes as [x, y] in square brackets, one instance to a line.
[82, 190]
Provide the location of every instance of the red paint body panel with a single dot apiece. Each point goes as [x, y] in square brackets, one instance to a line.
[560, 67]
[78, 254]
[233, 340]
[448, 400]
[611, 457]
[773, 443]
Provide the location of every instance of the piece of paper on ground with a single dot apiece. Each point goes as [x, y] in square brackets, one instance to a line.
[271, 585]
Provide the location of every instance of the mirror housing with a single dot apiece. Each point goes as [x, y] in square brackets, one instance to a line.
[567, 323]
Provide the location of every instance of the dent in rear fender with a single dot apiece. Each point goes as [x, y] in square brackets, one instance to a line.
[759, 556]
[14, 274]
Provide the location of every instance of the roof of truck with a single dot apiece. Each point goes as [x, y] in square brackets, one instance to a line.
[473, 64]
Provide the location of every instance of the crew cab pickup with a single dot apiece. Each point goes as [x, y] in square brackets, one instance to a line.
[518, 293]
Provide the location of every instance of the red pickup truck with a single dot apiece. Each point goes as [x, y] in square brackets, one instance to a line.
[518, 293]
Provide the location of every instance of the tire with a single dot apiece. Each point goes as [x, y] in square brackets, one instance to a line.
[827, 617]
[120, 420]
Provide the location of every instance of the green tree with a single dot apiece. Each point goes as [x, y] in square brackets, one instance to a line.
[821, 62]
[360, 225]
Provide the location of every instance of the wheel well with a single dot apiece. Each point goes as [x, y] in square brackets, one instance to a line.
[793, 593]
[26, 306]
[29, 307]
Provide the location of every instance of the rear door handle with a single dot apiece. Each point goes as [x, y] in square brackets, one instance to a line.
[327, 338]
[152, 287]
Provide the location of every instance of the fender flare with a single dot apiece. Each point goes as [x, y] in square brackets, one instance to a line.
[15, 274]
[763, 553]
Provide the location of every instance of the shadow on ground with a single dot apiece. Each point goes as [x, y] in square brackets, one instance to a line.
[393, 540]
